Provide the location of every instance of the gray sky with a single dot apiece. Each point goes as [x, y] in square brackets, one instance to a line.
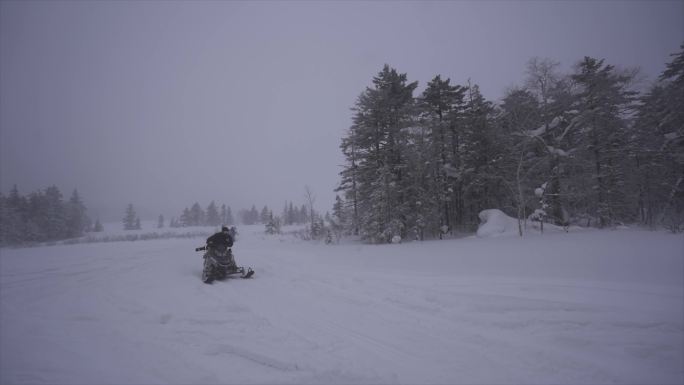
[162, 104]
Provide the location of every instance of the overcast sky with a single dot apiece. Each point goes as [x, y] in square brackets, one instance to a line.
[162, 104]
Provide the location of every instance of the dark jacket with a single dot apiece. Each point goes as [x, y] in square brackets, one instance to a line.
[220, 239]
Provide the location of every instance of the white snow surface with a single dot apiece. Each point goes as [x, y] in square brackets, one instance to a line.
[585, 307]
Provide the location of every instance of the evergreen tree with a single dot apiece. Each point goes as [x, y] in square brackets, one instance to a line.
[212, 215]
[14, 218]
[197, 215]
[339, 219]
[160, 222]
[185, 218]
[350, 175]
[41, 216]
[76, 219]
[272, 225]
[439, 148]
[658, 143]
[376, 165]
[53, 219]
[481, 156]
[129, 220]
[603, 102]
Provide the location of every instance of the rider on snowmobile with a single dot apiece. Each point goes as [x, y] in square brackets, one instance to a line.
[221, 240]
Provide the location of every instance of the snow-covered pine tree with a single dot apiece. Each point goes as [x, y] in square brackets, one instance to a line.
[14, 217]
[348, 184]
[77, 220]
[440, 107]
[272, 225]
[380, 144]
[185, 218]
[212, 217]
[604, 100]
[129, 218]
[54, 225]
[658, 143]
[197, 215]
[482, 186]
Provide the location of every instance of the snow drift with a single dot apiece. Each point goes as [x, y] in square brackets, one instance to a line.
[494, 223]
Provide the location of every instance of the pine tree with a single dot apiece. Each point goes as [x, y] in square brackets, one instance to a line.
[76, 219]
[185, 218]
[603, 103]
[212, 215]
[377, 163]
[658, 143]
[272, 225]
[3, 219]
[480, 156]
[197, 215]
[439, 148]
[350, 175]
[160, 222]
[54, 215]
[129, 220]
[14, 218]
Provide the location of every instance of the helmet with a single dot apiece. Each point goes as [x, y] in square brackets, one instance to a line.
[224, 229]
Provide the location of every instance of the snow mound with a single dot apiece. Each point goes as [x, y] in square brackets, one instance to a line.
[495, 223]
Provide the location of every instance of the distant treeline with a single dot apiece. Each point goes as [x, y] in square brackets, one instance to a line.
[42, 216]
[579, 148]
[214, 215]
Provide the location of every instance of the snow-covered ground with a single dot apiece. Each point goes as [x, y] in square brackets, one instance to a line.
[584, 307]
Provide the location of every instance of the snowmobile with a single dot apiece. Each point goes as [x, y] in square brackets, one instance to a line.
[219, 264]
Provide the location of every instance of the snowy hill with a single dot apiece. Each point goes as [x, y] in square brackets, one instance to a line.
[583, 307]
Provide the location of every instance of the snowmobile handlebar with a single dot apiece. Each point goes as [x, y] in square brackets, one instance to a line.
[205, 247]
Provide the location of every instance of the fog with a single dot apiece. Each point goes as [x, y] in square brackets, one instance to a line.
[163, 104]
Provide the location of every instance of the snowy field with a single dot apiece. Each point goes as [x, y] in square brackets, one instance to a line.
[585, 307]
